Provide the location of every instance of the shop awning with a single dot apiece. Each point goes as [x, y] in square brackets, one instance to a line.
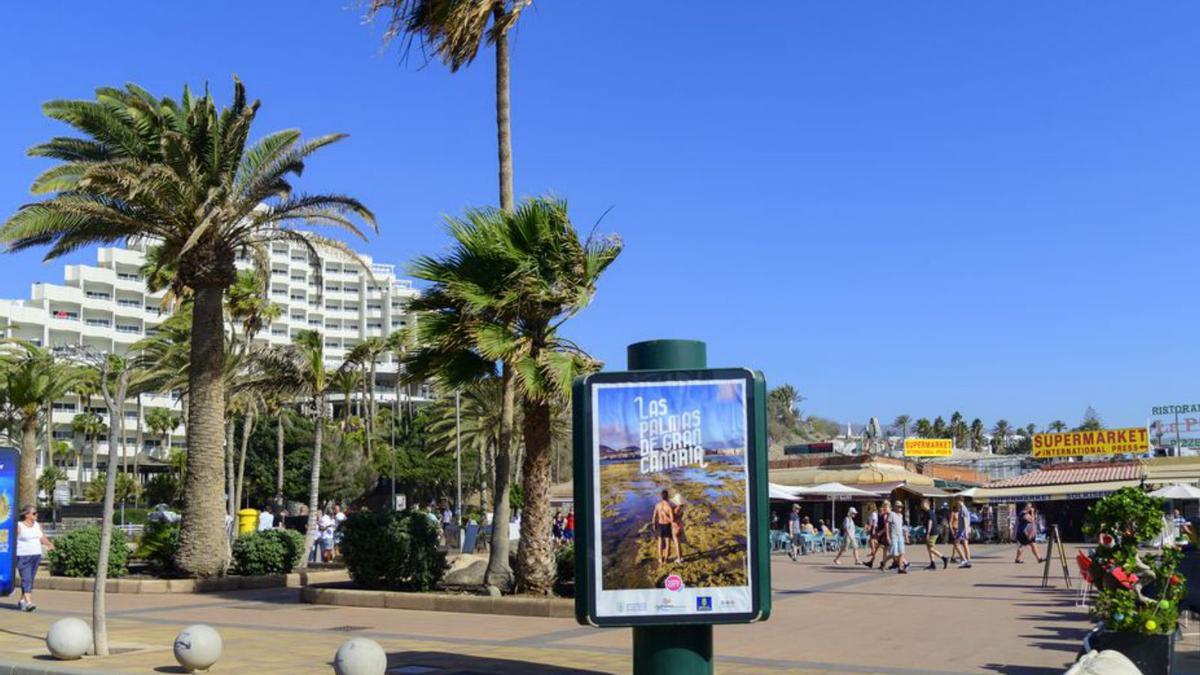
[924, 491]
[868, 476]
[1043, 493]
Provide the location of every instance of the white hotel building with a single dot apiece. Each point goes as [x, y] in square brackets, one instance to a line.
[107, 307]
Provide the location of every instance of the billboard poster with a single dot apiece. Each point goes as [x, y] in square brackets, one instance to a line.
[1132, 440]
[672, 466]
[1176, 425]
[928, 447]
[9, 460]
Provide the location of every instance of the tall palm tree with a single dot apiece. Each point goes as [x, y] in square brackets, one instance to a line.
[1057, 426]
[478, 423]
[901, 423]
[182, 173]
[453, 30]
[1002, 429]
[976, 434]
[923, 428]
[88, 426]
[248, 304]
[345, 380]
[303, 364]
[367, 354]
[549, 276]
[32, 376]
[162, 421]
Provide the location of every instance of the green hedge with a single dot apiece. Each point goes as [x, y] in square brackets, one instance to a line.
[75, 553]
[267, 552]
[393, 551]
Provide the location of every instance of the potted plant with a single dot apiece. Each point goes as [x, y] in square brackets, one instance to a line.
[1137, 591]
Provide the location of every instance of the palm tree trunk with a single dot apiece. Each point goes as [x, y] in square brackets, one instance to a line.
[279, 460]
[137, 451]
[503, 109]
[247, 427]
[314, 481]
[99, 614]
[230, 451]
[362, 410]
[49, 441]
[27, 482]
[78, 484]
[371, 412]
[535, 552]
[95, 452]
[201, 534]
[499, 572]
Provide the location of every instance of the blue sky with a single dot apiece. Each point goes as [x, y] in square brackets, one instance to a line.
[896, 207]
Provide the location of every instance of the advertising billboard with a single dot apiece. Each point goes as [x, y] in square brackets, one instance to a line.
[928, 447]
[671, 495]
[1132, 440]
[9, 460]
[1176, 425]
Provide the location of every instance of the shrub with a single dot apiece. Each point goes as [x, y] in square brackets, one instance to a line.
[159, 543]
[162, 489]
[267, 552]
[1137, 591]
[124, 490]
[75, 553]
[564, 563]
[393, 551]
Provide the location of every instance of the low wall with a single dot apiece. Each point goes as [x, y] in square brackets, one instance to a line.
[218, 584]
[513, 605]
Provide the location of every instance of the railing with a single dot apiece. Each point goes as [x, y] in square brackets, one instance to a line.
[129, 329]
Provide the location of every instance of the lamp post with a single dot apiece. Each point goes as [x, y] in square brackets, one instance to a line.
[458, 466]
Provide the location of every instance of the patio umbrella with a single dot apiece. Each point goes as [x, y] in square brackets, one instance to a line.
[1177, 491]
[835, 490]
[783, 492]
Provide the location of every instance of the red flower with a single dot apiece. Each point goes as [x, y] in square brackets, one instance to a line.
[1174, 579]
[1124, 578]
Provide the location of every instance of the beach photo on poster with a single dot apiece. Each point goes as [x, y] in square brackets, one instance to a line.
[672, 484]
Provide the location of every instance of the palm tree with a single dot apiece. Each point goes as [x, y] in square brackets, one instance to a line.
[1002, 430]
[549, 276]
[182, 173]
[88, 425]
[31, 377]
[923, 428]
[162, 421]
[478, 424]
[976, 434]
[345, 380]
[367, 353]
[303, 364]
[453, 30]
[1057, 426]
[901, 423]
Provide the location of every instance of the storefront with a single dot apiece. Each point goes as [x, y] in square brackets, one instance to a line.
[1063, 502]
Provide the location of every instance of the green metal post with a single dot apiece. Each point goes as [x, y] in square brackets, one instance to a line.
[684, 649]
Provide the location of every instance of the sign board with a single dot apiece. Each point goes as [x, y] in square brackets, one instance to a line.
[1132, 440]
[928, 447]
[62, 493]
[1176, 425]
[10, 458]
[671, 485]
[401, 503]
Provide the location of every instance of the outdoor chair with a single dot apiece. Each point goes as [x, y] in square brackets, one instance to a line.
[1085, 571]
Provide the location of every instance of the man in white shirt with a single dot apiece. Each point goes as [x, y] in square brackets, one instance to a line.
[266, 519]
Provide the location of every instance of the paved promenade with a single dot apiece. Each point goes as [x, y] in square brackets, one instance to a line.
[992, 618]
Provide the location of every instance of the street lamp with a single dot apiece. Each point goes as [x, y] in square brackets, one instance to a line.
[458, 467]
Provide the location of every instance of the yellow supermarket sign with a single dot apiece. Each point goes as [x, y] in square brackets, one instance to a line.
[1099, 442]
[928, 447]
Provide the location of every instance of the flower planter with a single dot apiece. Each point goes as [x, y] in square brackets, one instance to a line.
[1152, 654]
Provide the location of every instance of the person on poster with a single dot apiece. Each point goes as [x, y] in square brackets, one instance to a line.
[664, 522]
[677, 534]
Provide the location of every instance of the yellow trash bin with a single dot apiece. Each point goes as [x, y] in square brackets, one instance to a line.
[247, 521]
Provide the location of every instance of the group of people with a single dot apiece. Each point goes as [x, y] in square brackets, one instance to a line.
[888, 534]
[667, 524]
[563, 526]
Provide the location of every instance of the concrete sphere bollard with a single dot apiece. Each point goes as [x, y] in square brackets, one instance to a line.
[69, 639]
[197, 647]
[360, 656]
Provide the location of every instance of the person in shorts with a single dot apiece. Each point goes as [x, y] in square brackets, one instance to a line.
[664, 519]
[962, 533]
[849, 537]
[895, 539]
[929, 522]
[879, 535]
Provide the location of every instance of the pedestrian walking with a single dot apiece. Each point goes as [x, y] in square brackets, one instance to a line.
[879, 537]
[895, 539]
[849, 537]
[31, 542]
[929, 522]
[962, 533]
[1027, 532]
[794, 532]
